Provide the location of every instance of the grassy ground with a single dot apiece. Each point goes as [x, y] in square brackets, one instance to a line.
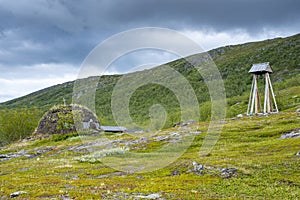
[267, 166]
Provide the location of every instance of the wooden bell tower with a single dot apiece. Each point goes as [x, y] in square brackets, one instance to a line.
[254, 105]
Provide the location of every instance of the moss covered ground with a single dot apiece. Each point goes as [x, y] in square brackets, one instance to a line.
[268, 167]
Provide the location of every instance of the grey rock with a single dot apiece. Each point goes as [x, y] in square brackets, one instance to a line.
[65, 197]
[228, 169]
[177, 124]
[174, 134]
[190, 122]
[150, 196]
[239, 116]
[183, 123]
[196, 132]
[49, 123]
[153, 196]
[16, 194]
[176, 139]
[160, 138]
[22, 152]
[75, 177]
[198, 167]
[175, 173]
[30, 155]
[228, 172]
[292, 134]
[4, 156]
[223, 172]
[9, 156]
[139, 177]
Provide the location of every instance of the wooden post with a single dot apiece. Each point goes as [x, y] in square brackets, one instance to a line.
[256, 96]
[268, 99]
[266, 93]
[253, 94]
[276, 108]
[258, 101]
[249, 102]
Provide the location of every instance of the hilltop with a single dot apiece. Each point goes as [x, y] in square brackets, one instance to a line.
[233, 62]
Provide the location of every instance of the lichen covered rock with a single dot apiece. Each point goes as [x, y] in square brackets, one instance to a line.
[67, 119]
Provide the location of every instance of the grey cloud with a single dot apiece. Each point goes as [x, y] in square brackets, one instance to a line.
[76, 16]
[219, 14]
[67, 30]
[59, 34]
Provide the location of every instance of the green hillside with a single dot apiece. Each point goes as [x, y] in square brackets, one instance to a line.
[233, 63]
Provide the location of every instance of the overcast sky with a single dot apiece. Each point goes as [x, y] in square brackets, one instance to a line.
[44, 42]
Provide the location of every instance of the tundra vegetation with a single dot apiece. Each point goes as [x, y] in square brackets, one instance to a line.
[251, 159]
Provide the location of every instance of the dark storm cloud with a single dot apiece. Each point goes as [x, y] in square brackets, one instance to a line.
[65, 31]
[220, 14]
[43, 42]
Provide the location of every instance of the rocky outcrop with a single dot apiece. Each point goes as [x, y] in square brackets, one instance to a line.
[16, 194]
[67, 119]
[293, 134]
[222, 172]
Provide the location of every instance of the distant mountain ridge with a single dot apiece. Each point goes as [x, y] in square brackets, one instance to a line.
[233, 62]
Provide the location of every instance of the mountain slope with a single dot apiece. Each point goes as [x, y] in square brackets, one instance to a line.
[233, 63]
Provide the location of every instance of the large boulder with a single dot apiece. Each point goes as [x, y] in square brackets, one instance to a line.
[64, 119]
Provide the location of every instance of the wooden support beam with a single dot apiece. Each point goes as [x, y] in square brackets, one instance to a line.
[268, 100]
[256, 96]
[253, 94]
[276, 108]
[249, 102]
[266, 89]
[258, 101]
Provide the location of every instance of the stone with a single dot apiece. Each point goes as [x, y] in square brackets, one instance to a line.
[177, 124]
[4, 156]
[239, 116]
[22, 152]
[198, 167]
[196, 132]
[65, 119]
[150, 196]
[139, 177]
[231, 170]
[65, 197]
[175, 139]
[190, 122]
[161, 138]
[16, 194]
[222, 172]
[228, 172]
[174, 134]
[175, 173]
[183, 123]
[298, 110]
[293, 134]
